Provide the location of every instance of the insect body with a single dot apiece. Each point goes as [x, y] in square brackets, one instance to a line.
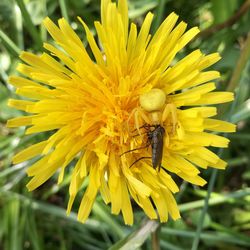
[155, 138]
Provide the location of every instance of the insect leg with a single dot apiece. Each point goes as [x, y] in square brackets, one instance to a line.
[131, 150]
[139, 160]
[159, 168]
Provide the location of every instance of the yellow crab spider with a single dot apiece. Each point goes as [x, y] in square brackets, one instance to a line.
[153, 102]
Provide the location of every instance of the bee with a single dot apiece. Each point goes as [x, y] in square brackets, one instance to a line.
[153, 103]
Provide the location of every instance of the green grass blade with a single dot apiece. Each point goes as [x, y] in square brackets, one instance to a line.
[211, 236]
[159, 14]
[19, 26]
[32, 230]
[64, 10]
[11, 45]
[211, 184]
[242, 113]
[43, 30]
[166, 245]
[212, 179]
[53, 210]
[100, 212]
[13, 217]
[219, 199]
[29, 24]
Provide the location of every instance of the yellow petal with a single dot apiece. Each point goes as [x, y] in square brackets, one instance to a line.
[217, 125]
[96, 51]
[214, 98]
[20, 104]
[127, 211]
[20, 121]
[18, 82]
[42, 171]
[30, 152]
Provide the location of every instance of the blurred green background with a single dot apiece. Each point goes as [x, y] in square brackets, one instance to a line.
[214, 217]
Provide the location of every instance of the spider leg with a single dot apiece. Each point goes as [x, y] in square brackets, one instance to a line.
[140, 134]
[143, 116]
[129, 118]
[170, 109]
[167, 139]
[139, 114]
[139, 117]
[137, 121]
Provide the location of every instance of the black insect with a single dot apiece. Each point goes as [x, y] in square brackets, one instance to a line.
[155, 139]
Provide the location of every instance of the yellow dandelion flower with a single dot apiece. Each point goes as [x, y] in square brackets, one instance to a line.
[124, 116]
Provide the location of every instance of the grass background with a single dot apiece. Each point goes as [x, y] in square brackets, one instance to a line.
[214, 217]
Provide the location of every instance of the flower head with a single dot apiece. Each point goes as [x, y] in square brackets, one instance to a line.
[104, 109]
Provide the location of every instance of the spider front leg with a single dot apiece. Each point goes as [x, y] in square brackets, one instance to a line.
[129, 118]
[139, 116]
[170, 109]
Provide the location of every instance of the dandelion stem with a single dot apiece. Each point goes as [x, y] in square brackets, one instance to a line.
[137, 237]
[156, 239]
